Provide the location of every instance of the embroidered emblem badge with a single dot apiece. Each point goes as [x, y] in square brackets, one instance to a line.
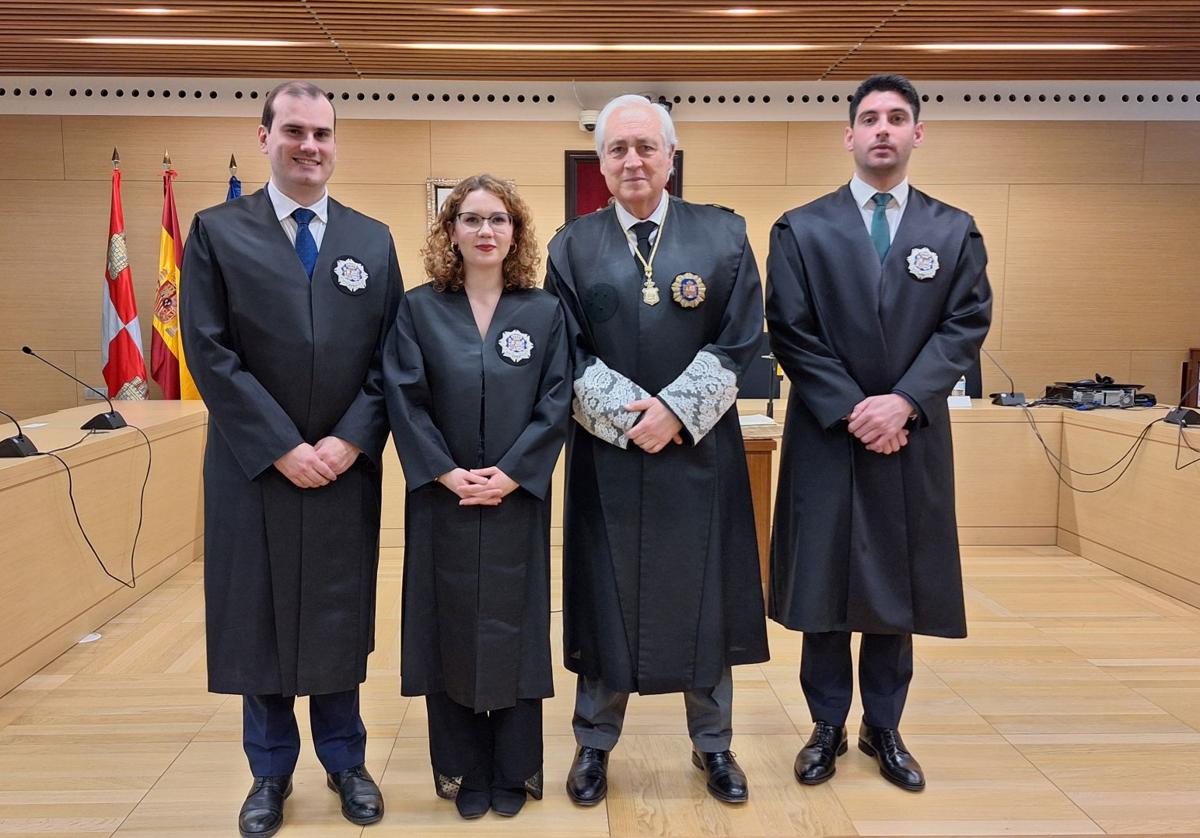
[688, 290]
[515, 346]
[922, 263]
[350, 274]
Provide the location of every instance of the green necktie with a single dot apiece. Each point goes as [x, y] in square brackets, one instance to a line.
[881, 236]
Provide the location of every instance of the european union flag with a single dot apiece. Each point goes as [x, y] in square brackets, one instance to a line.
[235, 188]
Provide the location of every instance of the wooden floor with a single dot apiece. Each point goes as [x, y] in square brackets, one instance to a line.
[1073, 709]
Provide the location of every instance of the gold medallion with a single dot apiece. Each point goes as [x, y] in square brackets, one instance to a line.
[650, 293]
[688, 290]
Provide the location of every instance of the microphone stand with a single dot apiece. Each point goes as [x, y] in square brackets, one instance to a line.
[1011, 398]
[1184, 416]
[19, 445]
[110, 421]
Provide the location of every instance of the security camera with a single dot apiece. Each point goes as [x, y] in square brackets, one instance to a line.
[587, 120]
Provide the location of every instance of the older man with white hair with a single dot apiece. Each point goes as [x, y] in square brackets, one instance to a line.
[662, 591]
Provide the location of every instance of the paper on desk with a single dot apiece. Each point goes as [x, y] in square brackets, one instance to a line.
[750, 419]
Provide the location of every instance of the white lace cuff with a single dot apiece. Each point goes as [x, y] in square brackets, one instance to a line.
[701, 394]
[600, 398]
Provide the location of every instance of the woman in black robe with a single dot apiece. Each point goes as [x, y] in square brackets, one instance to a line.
[478, 383]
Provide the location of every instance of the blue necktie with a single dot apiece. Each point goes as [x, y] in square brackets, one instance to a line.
[306, 245]
[881, 236]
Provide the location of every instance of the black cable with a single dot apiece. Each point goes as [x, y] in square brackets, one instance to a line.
[1183, 440]
[79, 441]
[75, 509]
[1057, 463]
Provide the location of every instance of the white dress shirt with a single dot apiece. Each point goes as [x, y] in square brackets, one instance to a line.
[863, 193]
[628, 219]
[284, 207]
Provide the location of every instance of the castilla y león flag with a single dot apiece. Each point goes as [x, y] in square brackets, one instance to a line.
[166, 343]
[121, 341]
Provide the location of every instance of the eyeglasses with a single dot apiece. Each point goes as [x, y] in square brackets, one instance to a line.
[473, 221]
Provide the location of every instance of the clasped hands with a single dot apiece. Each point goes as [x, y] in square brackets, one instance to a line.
[313, 466]
[478, 486]
[878, 422]
[657, 427]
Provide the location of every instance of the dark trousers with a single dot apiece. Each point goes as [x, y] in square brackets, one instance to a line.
[885, 668]
[271, 737]
[494, 749]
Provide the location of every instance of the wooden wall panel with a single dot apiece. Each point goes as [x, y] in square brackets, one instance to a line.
[816, 154]
[1101, 267]
[1172, 152]
[33, 147]
[52, 238]
[1030, 152]
[733, 153]
[1159, 371]
[381, 151]
[29, 388]
[1111, 291]
[199, 148]
[529, 153]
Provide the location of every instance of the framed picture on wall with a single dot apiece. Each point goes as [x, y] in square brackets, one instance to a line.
[437, 190]
[586, 191]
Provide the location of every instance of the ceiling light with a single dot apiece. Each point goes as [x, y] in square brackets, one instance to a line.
[182, 42]
[543, 47]
[482, 10]
[1019, 47]
[737, 11]
[149, 10]
[1072, 11]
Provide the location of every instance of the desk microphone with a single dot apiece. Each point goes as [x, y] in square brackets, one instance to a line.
[1181, 415]
[101, 421]
[1011, 398]
[19, 445]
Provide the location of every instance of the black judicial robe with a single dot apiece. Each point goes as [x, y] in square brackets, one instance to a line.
[863, 541]
[476, 602]
[662, 589]
[289, 573]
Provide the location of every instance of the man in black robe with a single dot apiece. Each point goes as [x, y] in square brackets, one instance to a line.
[660, 570]
[877, 302]
[287, 296]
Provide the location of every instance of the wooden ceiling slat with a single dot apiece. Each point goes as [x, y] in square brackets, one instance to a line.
[851, 38]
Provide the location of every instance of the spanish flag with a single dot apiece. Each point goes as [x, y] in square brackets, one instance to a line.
[167, 362]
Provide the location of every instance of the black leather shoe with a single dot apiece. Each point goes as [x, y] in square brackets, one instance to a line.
[816, 762]
[262, 813]
[587, 781]
[896, 764]
[362, 802]
[473, 803]
[726, 780]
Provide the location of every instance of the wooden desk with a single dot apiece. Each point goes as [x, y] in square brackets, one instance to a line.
[52, 589]
[1147, 526]
[761, 442]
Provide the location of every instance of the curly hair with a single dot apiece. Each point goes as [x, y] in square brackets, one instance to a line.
[443, 262]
